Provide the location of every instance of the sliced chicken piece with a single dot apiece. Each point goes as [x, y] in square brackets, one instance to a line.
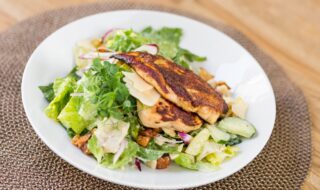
[167, 115]
[177, 84]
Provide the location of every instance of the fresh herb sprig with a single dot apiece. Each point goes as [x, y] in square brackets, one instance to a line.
[108, 92]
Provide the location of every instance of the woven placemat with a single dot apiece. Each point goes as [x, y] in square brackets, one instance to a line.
[27, 163]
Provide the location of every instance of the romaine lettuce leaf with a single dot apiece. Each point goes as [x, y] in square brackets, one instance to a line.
[87, 110]
[106, 159]
[166, 34]
[70, 117]
[124, 40]
[126, 157]
[216, 158]
[183, 57]
[62, 89]
[155, 151]
[149, 154]
[166, 38]
[186, 161]
[78, 113]
[110, 133]
[95, 149]
[48, 92]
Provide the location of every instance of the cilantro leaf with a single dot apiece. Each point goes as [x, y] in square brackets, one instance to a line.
[107, 91]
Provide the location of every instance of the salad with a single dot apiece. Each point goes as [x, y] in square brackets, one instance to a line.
[114, 110]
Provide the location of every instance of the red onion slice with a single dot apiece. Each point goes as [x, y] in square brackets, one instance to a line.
[149, 48]
[108, 33]
[137, 162]
[185, 137]
[93, 55]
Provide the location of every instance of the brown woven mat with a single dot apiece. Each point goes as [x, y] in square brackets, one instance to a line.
[27, 163]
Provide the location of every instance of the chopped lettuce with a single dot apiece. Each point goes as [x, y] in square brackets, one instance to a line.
[110, 133]
[70, 118]
[146, 154]
[106, 159]
[204, 154]
[166, 38]
[62, 89]
[87, 110]
[184, 57]
[198, 142]
[95, 149]
[78, 114]
[167, 34]
[231, 151]
[217, 157]
[186, 161]
[48, 92]
[126, 157]
[155, 151]
[124, 40]
[209, 147]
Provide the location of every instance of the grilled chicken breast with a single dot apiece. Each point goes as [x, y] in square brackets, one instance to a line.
[165, 114]
[177, 84]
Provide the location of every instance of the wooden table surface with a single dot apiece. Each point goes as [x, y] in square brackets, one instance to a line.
[287, 30]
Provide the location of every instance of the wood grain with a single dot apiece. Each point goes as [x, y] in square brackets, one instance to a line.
[287, 30]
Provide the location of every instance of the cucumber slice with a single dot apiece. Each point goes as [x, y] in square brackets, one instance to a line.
[197, 142]
[237, 126]
[217, 134]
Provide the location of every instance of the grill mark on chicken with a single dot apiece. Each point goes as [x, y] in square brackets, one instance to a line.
[165, 114]
[146, 68]
[170, 112]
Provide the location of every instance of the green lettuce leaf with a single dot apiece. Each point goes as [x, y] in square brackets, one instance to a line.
[126, 157]
[95, 149]
[48, 92]
[62, 89]
[149, 154]
[106, 159]
[70, 118]
[78, 113]
[186, 161]
[155, 151]
[184, 57]
[167, 39]
[168, 34]
[124, 40]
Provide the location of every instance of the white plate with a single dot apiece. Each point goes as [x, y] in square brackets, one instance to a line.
[226, 59]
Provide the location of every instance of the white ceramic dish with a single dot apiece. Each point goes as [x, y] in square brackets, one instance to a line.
[226, 59]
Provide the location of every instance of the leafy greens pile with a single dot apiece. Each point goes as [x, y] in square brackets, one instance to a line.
[87, 101]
